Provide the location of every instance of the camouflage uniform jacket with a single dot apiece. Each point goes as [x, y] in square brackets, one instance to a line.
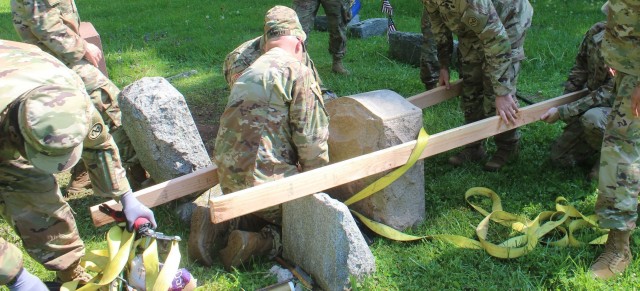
[622, 40]
[53, 25]
[591, 72]
[274, 125]
[493, 23]
[24, 67]
[248, 52]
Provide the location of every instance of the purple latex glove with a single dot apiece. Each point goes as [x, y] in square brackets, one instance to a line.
[25, 281]
[133, 210]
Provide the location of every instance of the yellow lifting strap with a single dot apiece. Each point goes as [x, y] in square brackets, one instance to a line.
[121, 246]
[566, 219]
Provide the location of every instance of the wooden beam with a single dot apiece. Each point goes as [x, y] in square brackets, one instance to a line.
[436, 95]
[273, 193]
[161, 193]
[208, 177]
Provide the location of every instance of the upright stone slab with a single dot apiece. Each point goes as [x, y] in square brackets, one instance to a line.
[156, 118]
[368, 28]
[367, 122]
[320, 235]
[405, 47]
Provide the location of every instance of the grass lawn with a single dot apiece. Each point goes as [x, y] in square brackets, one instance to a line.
[168, 37]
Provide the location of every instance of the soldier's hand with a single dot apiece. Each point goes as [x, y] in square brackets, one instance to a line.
[552, 115]
[635, 101]
[92, 54]
[27, 282]
[133, 210]
[444, 78]
[507, 109]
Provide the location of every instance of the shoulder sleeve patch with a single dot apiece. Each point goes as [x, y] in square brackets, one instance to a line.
[474, 20]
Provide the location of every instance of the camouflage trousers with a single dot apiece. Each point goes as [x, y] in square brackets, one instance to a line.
[478, 98]
[10, 261]
[104, 95]
[31, 202]
[581, 138]
[338, 15]
[619, 180]
[429, 65]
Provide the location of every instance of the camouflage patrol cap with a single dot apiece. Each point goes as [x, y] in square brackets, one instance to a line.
[281, 20]
[54, 121]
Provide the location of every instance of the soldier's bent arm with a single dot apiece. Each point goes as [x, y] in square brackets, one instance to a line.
[601, 97]
[579, 73]
[309, 122]
[100, 153]
[47, 23]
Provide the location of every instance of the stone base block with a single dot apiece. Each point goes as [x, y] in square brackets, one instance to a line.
[368, 28]
[405, 47]
[320, 235]
[367, 122]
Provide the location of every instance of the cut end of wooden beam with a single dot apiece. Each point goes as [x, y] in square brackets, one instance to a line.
[99, 218]
[436, 95]
[219, 212]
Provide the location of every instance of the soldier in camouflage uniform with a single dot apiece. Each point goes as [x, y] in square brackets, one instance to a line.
[275, 125]
[46, 119]
[586, 118]
[619, 180]
[54, 27]
[244, 55]
[429, 66]
[490, 38]
[338, 16]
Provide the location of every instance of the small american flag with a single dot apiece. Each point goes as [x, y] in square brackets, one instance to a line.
[392, 26]
[386, 7]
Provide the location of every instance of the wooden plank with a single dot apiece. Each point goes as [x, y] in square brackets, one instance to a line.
[161, 193]
[182, 186]
[436, 95]
[273, 193]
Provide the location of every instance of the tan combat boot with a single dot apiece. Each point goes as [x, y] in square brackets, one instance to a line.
[79, 179]
[205, 238]
[242, 245]
[615, 258]
[468, 154]
[501, 158]
[338, 67]
[75, 272]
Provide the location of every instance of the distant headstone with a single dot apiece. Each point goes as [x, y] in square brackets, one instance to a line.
[371, 121]
[368, 28]
[405, 47]
[89, 33]
[321, 23]
[320, 235]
